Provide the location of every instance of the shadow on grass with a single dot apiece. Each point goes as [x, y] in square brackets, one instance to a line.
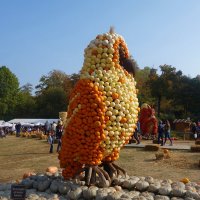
[150, 160]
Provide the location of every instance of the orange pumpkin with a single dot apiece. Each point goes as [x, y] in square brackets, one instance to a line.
[52, 169]
[28, 174]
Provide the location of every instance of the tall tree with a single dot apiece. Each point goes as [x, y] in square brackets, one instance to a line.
[51, 102]
[27, 88]
[142, 78]
[55, 78]
[162, 85]
[9, 87]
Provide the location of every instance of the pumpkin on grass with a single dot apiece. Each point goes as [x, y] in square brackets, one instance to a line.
[102, 112]
[28, 174]
[52, 169]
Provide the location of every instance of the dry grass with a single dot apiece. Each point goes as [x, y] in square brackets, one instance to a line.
[19, 155]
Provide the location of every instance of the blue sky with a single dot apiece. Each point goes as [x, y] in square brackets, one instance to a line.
[38, 36]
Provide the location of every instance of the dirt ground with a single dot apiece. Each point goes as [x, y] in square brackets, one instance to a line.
[19, 155]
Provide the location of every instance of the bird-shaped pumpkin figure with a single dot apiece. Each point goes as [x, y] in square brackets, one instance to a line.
[102, 112]
[148, 121]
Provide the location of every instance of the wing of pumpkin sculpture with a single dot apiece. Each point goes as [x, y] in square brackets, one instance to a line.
[103, 107]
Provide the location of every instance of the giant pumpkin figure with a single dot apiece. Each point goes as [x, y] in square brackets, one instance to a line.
[148, 121]
[102, 112]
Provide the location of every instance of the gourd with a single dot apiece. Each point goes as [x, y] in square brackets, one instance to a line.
[142, 185]
[90, 193]
[75, 194]
[63, 188]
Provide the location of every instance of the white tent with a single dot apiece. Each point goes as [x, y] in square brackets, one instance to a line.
[1, 122]
[6, 124]
[36, 122]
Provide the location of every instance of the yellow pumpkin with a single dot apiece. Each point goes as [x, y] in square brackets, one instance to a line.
[185, 180]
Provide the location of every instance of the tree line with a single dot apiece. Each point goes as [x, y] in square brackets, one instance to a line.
[171, 93]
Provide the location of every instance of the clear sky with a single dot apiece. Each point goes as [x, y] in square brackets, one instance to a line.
[37, 36]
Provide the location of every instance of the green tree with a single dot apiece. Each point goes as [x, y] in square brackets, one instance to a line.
[162, 86]
[26, 106]
[9, 87]
[51, 102]
[27, 88]
[55, 78]
[144, 92]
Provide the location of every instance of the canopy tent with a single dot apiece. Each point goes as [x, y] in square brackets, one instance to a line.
[5, 124]
[1, 122]
[32, 122]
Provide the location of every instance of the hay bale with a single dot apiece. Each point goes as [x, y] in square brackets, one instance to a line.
[151, 147]
[197, 142]
[33, 135]
[195, 148]
[159, 156]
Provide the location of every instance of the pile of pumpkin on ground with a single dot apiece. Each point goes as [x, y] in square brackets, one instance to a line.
[129, 187]
[34, 134]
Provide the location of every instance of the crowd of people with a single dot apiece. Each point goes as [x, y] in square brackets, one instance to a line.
[163, 135]
[54, 131]
[164, 132]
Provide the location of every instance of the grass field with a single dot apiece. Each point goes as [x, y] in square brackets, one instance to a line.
[19, 155]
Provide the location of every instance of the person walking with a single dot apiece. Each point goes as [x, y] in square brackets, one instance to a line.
[46, 128]
[160, 132]
[137, 132]
[198, 130]
[18, 129]
[59, 131]
[2, 133]
[54, 127]
[167, 132]
[194, 130]
[51, 141]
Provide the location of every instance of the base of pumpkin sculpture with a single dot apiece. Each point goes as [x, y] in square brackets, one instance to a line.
[101, 175]
[43, 186]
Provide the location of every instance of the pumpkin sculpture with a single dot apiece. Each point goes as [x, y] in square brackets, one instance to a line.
[102, 112]
[148, 121]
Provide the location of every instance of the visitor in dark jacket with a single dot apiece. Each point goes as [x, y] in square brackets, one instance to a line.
[167, 130]
[160, 132]
[59, 132]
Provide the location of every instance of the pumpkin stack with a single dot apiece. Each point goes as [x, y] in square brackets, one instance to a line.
[148, 121]
[103, 107]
